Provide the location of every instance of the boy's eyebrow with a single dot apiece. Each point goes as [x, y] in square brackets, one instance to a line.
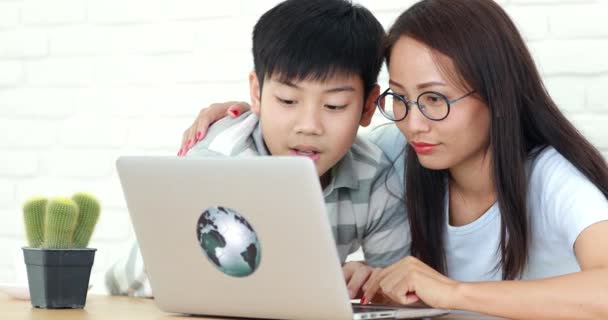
[289, 84]
[340, 89]
[331, 90]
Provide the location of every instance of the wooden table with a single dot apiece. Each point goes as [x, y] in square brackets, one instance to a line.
[118, 308]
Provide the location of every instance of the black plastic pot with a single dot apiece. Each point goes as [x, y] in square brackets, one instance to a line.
[58, 278]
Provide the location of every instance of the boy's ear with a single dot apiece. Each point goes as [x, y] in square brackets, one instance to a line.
[370, 106]
[254, 92]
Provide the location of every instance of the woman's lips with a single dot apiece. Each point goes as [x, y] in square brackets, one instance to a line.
[423, 147]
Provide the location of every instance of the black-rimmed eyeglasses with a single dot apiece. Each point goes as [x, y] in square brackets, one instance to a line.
[432, 104]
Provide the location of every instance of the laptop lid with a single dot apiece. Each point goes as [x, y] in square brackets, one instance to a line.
[179, 206]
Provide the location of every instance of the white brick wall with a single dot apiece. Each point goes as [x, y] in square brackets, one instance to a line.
[84, 81]
[11, 73]
[23, 43]
[9, 15]
[42, 12]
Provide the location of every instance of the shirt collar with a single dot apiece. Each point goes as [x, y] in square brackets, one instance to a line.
[344, 174]
[258, 140]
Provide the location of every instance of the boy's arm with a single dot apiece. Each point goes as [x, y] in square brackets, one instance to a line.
[387, 235]
[127, 276]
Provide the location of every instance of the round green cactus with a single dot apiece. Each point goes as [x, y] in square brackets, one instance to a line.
[89, 209]
[33, 216]
[60, 222]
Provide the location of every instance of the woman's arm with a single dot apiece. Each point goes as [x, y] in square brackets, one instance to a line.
[581, 295]
[206, 117]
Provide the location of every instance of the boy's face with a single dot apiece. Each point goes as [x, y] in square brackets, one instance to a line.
[314, 119]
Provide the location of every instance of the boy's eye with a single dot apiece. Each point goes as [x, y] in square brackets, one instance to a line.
[286, 101]
[332, 107]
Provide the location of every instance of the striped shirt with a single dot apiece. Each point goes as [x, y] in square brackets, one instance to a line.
[362, 201]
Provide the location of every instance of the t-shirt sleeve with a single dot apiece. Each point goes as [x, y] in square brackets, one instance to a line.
[571, 203]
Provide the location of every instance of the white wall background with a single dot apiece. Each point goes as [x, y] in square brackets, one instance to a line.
[84, 81]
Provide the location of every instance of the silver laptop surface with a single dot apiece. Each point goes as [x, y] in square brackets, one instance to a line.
[246, 237]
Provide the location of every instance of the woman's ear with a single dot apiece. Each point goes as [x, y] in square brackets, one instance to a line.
[370, 106]
[254, 92]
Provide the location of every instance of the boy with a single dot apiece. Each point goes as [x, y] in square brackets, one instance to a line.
[316, 67]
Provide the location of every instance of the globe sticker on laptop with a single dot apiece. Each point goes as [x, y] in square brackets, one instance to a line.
[229, 241]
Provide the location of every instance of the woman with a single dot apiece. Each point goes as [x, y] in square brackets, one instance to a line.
[507, 202]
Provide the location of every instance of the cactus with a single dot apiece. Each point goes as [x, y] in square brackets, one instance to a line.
[59, 223]
[87, 218]
[33, 216]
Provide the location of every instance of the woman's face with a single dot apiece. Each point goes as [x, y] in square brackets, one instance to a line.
[463, 137]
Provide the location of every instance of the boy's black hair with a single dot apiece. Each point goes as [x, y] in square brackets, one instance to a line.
[316, 39]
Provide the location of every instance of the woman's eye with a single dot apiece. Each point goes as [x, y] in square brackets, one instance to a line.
[332, 107]
[433, 100]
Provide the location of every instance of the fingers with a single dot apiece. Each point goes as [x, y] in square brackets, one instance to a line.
[381, 298]
[181, 147]
[396, 289]
[355, 273]
[371, 287]
[237, 109]
[357, 280]
[190, 142]
[206, 117]
[215, 112]
[408, 282]
[384, 280]
[389, 284]
[376, 272]
[348, 270]
[401, 286]
[186, 142]
[403, 292]
[412, 299]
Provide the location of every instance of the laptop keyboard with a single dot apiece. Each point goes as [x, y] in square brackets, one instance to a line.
[359, 308]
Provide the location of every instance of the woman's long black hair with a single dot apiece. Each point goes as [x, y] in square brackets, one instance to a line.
[490, 56]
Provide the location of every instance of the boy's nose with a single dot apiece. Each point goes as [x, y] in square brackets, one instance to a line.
[309, 121]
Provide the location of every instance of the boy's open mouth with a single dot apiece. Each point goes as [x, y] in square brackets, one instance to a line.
[309, 152]
[304, 152]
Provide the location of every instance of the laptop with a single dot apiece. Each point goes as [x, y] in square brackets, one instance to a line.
[240, 237]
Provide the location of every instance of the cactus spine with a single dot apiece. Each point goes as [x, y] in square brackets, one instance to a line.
[87, 218]
[33, 216]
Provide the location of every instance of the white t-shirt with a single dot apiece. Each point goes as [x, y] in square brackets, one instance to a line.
[561, 204]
